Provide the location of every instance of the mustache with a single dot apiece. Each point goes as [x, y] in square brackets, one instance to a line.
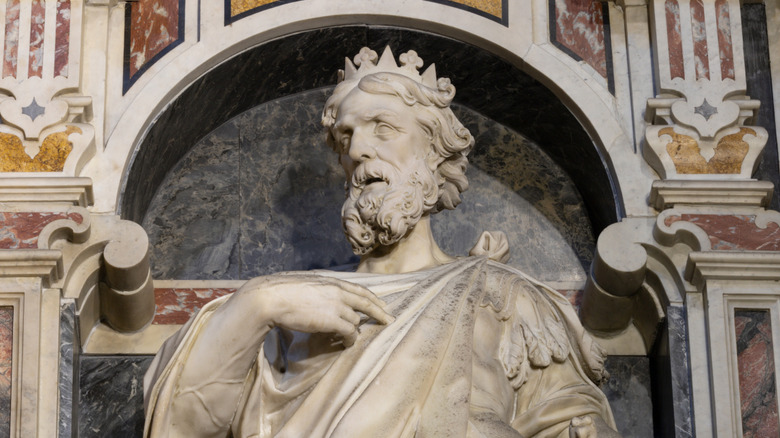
[371, 171]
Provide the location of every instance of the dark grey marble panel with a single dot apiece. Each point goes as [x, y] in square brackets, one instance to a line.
[680, 368]
[68, 368]
[266, 72]
[759, 86]
[292, 188]
[670, 367]
[522, 167]
[193, 221]
[495, 88]
[486, 83]
[274, 206]
[629, 393]
[112, 396]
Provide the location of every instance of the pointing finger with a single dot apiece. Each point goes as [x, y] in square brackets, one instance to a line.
[357, 290]
[368, 307]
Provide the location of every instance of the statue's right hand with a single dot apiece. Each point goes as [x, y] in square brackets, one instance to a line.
[314, 304]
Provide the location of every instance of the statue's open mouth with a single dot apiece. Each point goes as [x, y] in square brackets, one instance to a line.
[373, 180]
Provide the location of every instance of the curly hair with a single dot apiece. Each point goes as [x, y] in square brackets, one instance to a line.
[449, 138]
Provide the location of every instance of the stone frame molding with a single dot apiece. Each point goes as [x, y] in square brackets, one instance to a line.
[726, 281]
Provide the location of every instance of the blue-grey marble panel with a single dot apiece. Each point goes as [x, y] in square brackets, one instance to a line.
[308, 60]
[630, 396]
[112, 396]
[679, 364]
[262, 194]
[758, 78]
[193, 221]
[269, 71]
[292, 188]
[68, 367]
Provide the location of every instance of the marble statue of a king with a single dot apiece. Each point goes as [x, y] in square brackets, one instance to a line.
[416, 343]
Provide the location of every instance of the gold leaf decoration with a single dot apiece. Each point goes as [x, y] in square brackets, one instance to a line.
[51, 157]
[686, 155]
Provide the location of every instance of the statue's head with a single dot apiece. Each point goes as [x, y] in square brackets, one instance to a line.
[402, 148]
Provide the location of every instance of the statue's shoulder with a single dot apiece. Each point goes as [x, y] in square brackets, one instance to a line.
[506, 285]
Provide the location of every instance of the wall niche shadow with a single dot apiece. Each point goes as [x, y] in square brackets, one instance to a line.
[487, 85]
[262, 194]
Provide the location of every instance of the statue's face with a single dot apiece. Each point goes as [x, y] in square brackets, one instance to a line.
[378, 127]
[383, 152]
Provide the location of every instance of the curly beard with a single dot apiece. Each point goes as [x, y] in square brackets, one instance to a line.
[384, 204]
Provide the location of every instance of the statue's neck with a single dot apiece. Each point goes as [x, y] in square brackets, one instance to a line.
[417, 251]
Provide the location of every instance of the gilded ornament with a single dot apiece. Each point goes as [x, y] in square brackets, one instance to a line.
[51, 157]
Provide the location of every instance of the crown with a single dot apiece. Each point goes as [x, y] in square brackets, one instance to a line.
[365, 63]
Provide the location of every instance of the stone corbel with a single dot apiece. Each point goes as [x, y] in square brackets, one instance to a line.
[106, 270]
[636, 273]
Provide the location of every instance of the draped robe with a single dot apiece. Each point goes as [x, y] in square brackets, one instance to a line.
[415, 376]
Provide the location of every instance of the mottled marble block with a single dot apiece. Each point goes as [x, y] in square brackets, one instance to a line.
[734, 232]
[629, 393]
[262, 194]
[757, 379]
[21, 230]
[111, 396]
[177, 305]
[6, 367]
[68, 368]
[578, 27]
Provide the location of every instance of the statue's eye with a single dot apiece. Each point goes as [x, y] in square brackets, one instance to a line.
[382, 128]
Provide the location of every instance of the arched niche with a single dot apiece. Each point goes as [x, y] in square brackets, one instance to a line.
[486, 83]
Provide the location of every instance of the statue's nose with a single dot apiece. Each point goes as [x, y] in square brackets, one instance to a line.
[361, 148]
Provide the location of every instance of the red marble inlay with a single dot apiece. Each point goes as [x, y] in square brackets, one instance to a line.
[21, 230]
[177, 305]
[154, 25]
[734, 232]
[12, 8]
[756, 364]
[574, 296]
[62, 40]
[580, 28]
[699, 31]
[37, 22]
[724, 39]
[6, 367]
[674, 40]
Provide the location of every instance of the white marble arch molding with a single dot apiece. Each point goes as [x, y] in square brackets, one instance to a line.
[307, 60]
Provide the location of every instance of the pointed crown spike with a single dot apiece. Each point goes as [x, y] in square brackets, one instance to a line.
[368, 62]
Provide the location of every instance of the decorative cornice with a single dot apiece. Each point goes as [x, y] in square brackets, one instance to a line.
[49, 190]
[735, 193]
[732, 265]
[43, 263]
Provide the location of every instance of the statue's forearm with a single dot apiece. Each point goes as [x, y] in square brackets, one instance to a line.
[212, 374]
[488, 424]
